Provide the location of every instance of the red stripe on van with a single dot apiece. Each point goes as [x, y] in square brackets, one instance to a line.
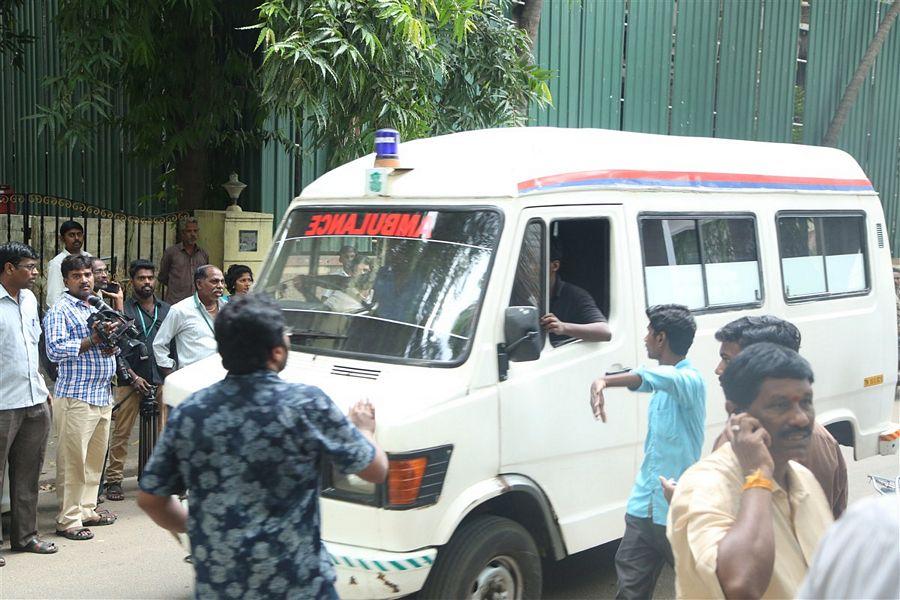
[689, 179]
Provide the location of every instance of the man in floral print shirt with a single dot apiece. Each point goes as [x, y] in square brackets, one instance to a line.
[249, 451]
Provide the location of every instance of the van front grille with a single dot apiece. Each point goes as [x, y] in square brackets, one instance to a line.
[371, 374]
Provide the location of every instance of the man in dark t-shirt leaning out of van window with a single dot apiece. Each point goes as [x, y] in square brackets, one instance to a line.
[573, 312]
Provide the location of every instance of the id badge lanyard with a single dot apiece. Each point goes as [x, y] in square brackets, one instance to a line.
[146, 329]
[203, 313]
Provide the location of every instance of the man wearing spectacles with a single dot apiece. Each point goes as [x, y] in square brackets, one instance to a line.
[24, 399]
[109, 291]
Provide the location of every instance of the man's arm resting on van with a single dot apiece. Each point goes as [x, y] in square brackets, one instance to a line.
[362, 415]
[589, 332]
[630, 380]
[166, 511]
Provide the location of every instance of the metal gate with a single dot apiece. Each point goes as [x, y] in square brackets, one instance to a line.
[117, 237]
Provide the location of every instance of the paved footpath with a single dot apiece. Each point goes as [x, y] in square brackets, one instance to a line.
[136, 559]
[131, 559]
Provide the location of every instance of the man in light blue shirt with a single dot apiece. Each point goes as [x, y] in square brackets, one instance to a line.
[24, 399]
[675, 423]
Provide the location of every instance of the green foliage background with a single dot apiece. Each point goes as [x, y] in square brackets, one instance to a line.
[192, 82]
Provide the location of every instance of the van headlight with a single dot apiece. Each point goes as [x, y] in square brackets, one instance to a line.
[352, 485]
[414, 479]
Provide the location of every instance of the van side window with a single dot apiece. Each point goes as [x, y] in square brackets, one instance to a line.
[704, 262]
[528, 287]
[583, 246]
[822, 255]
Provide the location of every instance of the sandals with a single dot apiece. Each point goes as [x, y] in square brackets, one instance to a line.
[77, 534]
[104, 518]
[37, 546]
[114, 492]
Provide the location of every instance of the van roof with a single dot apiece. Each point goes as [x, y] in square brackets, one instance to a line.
[512, 162]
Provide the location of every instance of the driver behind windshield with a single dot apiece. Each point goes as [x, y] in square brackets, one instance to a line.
[356, 295]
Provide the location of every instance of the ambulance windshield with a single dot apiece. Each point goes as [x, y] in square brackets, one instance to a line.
[387, 283]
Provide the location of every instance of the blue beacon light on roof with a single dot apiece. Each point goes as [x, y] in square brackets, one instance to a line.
[387, 148]
[387, 143]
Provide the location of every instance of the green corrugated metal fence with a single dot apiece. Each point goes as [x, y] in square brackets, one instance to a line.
[31, 162]
[839, 33]
[719, 68]
[725, 68]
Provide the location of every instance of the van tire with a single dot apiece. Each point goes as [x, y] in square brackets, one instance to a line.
[486, 552]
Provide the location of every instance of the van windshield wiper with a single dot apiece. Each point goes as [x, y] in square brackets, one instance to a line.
[311, 333]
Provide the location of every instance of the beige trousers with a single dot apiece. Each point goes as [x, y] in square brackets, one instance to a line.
[83, 438]
[128, 401]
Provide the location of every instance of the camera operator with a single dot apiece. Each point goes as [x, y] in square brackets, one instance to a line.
[109, 291]
[83, 391]
[140, 372]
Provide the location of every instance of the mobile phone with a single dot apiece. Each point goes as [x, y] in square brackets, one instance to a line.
[112, 287]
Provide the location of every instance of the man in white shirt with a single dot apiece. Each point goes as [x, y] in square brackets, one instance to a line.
[24, 399]
[190, 323]
[71, 233]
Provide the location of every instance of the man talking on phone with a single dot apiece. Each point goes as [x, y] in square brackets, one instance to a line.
[746, 520]
[109, 291]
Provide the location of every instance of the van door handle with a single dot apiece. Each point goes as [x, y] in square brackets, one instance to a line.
[616, 368]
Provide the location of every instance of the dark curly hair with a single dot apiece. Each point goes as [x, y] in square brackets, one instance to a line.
[678, 324]
[247, 330]
[745, 375]
[234, 273]
[747, 331]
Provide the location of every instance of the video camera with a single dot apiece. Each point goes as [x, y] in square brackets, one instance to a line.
[123, 333]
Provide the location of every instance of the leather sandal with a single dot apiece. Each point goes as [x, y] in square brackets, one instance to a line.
[114, 492]
[77, 534]
[103, 519]
[37, 546]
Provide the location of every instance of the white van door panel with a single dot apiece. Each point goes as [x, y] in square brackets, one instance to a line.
[548, 431]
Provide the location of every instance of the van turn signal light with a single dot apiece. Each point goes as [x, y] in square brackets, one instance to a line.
[405, 479]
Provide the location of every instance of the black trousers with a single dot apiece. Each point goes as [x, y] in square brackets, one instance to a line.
[639, 560]
[23, 441]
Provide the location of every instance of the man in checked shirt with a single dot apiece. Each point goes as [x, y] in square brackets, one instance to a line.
[83, 406]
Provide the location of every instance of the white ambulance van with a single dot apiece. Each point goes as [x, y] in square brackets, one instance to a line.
[496, 459]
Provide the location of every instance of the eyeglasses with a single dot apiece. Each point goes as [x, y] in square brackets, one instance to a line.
[100, 271]
[32, 267]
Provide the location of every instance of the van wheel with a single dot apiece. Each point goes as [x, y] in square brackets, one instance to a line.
[488, 558]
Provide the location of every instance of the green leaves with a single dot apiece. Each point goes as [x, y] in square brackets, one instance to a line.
[13, 40]
[201, 77]
[426, 67]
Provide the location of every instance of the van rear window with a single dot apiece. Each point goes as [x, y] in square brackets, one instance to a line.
[822, 255]
[703, 262]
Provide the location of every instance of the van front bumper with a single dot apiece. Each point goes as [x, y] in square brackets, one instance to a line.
[364, 573]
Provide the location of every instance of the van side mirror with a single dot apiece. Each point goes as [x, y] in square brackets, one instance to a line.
[522, 331]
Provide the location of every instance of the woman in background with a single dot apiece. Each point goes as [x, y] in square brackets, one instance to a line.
[238, 279]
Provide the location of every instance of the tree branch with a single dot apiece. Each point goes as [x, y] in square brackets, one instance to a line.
[862, 70]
